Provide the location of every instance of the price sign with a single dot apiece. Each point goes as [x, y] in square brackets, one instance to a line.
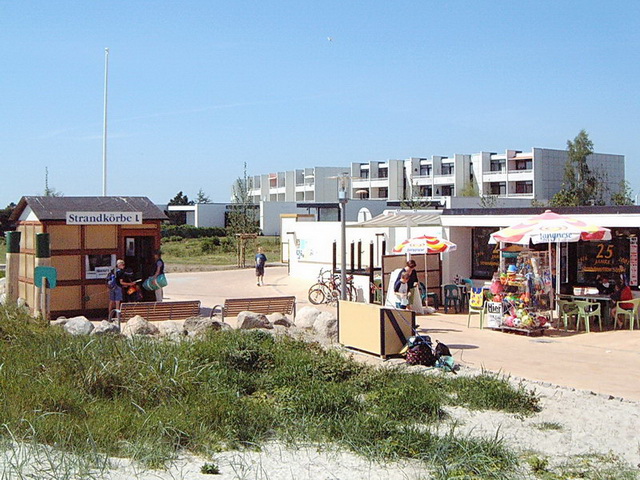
[494, 314]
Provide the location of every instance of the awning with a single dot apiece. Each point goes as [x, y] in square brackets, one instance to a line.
[401, 219]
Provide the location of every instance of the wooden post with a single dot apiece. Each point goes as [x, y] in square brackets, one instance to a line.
[371, 273]
[359, 255]
[353, 247]
[13, 264]
[43, 258]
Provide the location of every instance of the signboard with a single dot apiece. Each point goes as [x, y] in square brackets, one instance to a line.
[104, 218]
[607, 258]
[99, 266]
[486, 257]
[494, 314]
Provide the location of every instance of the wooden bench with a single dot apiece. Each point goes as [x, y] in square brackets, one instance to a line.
[154, 311]
[265, 305]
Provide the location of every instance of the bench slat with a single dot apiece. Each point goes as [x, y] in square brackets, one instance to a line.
[265, 305]
[153, 311]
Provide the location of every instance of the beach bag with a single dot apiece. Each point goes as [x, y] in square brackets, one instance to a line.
[112, 281]
[421, 354]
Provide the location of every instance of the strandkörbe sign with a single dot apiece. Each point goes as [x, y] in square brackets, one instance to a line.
[104, 218]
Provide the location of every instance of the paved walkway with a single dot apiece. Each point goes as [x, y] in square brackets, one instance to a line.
[607, 362]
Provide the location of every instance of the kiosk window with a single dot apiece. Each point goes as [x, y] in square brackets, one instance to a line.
[99, 266]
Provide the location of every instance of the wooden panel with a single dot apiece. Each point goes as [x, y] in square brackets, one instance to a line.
[66, 298]
[22, 268]
[405, 322]
[144, 226]
[264, 305]
[359, 326]
[29, 237]
[30, 295]
[101, 236]
[29, 264]
[22, 290]
[97, 296]
[23, 236]
[69, 266]
[64, 237]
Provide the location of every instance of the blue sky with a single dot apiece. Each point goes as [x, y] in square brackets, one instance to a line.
[197, 88]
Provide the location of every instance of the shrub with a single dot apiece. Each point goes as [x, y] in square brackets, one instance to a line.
[209, 245]
[189, 231]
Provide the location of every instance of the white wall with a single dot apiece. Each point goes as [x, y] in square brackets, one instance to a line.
[210, 214]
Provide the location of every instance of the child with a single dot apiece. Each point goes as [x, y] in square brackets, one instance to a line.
[261, 260]
[401, 289]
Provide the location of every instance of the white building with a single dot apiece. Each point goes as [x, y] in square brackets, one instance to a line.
[513, 177]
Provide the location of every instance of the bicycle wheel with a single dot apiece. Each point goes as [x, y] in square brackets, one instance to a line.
[352, 293]
[317, 294]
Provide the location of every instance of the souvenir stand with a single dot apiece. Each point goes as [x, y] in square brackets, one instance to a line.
[519, 298]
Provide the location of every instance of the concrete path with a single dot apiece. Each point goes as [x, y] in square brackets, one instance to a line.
[607, 362]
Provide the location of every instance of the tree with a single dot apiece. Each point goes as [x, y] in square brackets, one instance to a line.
[4, 218]
[241, 217]
[581, 185]
[413, 201]
[623, 195]
[50, 192]
[179, 218]
[470, 189]
[202, 197]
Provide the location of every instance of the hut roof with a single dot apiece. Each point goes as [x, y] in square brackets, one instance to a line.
[56, 208]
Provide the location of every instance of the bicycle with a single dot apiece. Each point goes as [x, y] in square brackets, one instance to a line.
[327, 288]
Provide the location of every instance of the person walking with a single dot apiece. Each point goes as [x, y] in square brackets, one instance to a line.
[261, 260]
[159, 266]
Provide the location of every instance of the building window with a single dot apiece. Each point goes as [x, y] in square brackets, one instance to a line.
[383, 192]
[498, 188]
[446, 169]
[364, 174]
[426, 191]
[425, 170]
[526, 164]
[497, 166]
[524, 187]
[447, 191]
[383, 172]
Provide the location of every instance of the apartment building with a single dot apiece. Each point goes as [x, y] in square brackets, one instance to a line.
[536, 174]
[316, 184]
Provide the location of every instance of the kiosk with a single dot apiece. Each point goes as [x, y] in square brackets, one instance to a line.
[87, 235]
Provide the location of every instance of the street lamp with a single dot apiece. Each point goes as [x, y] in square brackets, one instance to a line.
[343, 185]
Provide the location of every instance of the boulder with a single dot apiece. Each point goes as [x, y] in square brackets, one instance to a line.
[248, 320]
[59, 321]
[139, 326]
[200, 325]
[326, 324]
[171, 329]
[105, 328]
[279, 319]
[306, 317]
[78, 326]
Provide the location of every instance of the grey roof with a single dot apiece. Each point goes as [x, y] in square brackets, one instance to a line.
[401, 219]
[56, 208]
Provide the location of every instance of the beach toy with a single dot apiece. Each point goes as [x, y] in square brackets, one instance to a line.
[512, 269]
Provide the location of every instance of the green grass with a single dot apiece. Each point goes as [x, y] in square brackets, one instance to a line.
[148, 399]
[207, 251]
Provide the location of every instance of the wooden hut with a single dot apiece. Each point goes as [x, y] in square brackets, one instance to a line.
[87, 235]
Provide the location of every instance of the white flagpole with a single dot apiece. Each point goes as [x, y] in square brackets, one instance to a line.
[104, 125]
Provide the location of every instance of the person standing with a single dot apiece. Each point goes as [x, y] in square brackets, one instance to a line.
[261, 260]
[116, 287]
[159, 266]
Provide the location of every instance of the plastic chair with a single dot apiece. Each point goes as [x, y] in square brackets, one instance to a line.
[429, 295]
[586, 310]
[631, 314]
[468, 287]
[566, 309]
[476, 305]
[452, 298]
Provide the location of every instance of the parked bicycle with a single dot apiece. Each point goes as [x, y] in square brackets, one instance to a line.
[327, 288]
